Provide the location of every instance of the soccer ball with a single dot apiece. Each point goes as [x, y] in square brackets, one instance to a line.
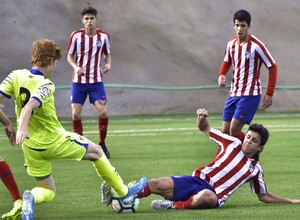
[120, 207]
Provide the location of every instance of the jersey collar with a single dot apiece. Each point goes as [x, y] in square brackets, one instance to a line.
[37, 72]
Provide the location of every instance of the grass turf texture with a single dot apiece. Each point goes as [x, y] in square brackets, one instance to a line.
[157, 146]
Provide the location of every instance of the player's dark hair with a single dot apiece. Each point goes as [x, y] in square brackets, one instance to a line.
[242, 15]
[89, 10]
[262, 131]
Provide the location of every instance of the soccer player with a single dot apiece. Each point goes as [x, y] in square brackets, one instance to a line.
[6, 174]
[42, 136]
[86, 49]
[245, 53]
[210, 186]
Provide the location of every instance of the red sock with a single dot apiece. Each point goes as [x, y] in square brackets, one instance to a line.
[102, 125]
[185, 204]
[146, 192]
[9, 181]
[77, 126]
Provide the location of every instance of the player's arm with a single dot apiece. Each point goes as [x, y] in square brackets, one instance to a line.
[272, 198]
[267, 99]
[202, 122]
[24, 119]
[107, 59]
[8, 127]
[71, 61]
[222, 73]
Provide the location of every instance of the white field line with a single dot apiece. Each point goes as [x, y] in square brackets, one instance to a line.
[171, 131]
[289, 115]
[182, 131]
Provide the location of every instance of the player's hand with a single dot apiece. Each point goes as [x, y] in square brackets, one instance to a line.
[11, 134]
[21, 135]
[295, 201]
[222, 80]
[107, 68]
[267, 101]
[202, 113]
[78, 71]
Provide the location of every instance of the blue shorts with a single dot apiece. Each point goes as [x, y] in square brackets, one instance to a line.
[186, 186]
[242, 108]
[79, 92]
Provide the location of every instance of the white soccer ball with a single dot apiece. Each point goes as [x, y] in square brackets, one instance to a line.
[120, 207]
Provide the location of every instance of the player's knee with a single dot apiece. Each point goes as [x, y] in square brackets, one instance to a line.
[154, 184]
[76, 116]
[102, 113]
[205, 199]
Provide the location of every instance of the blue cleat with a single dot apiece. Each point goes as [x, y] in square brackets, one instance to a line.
[28, 205]
[134, 189]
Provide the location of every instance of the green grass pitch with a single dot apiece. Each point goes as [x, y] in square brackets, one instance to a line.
[157, 146]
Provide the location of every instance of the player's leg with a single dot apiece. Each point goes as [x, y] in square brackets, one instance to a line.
[205, 199]
[228, 112]
[76, 147]
[8, 180]
[109, 174]
[102, 124]
[76, 118]
[246, 108]
[98, 97]
[78, 97]
[43, 192]
[189, 193]
[163, 186]
[39, 168]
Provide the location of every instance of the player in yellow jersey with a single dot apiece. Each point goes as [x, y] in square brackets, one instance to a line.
[42, 136]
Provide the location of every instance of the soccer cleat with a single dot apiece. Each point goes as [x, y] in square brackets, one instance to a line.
[134, 189]
[104, 148]
[15, 212]
[162, 204]
[28, 205]
[106, 193]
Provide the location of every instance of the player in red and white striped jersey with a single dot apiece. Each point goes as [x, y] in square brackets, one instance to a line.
[86, 49]
[245, 54]
[212, 185]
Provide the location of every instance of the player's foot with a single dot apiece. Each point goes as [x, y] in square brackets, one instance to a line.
[28, 205]
[134, 189]
[106, 193]
[104, 148]
[15, 212]
[162, 204]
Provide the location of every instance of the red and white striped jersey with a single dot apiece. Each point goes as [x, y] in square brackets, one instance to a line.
[231, 168]
[89, 52]
[246, 61]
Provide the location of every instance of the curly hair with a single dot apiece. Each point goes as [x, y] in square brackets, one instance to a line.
[44, 51]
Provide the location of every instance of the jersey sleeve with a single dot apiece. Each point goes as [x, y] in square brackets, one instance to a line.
[221, 139]
[6, 87]
[258, 184]
[43, 92]
[71, 48]
[106, 46]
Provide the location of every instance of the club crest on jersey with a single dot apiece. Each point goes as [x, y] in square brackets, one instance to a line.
[44, 91]
[251, 168]
[247, 54]
[99, 43]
